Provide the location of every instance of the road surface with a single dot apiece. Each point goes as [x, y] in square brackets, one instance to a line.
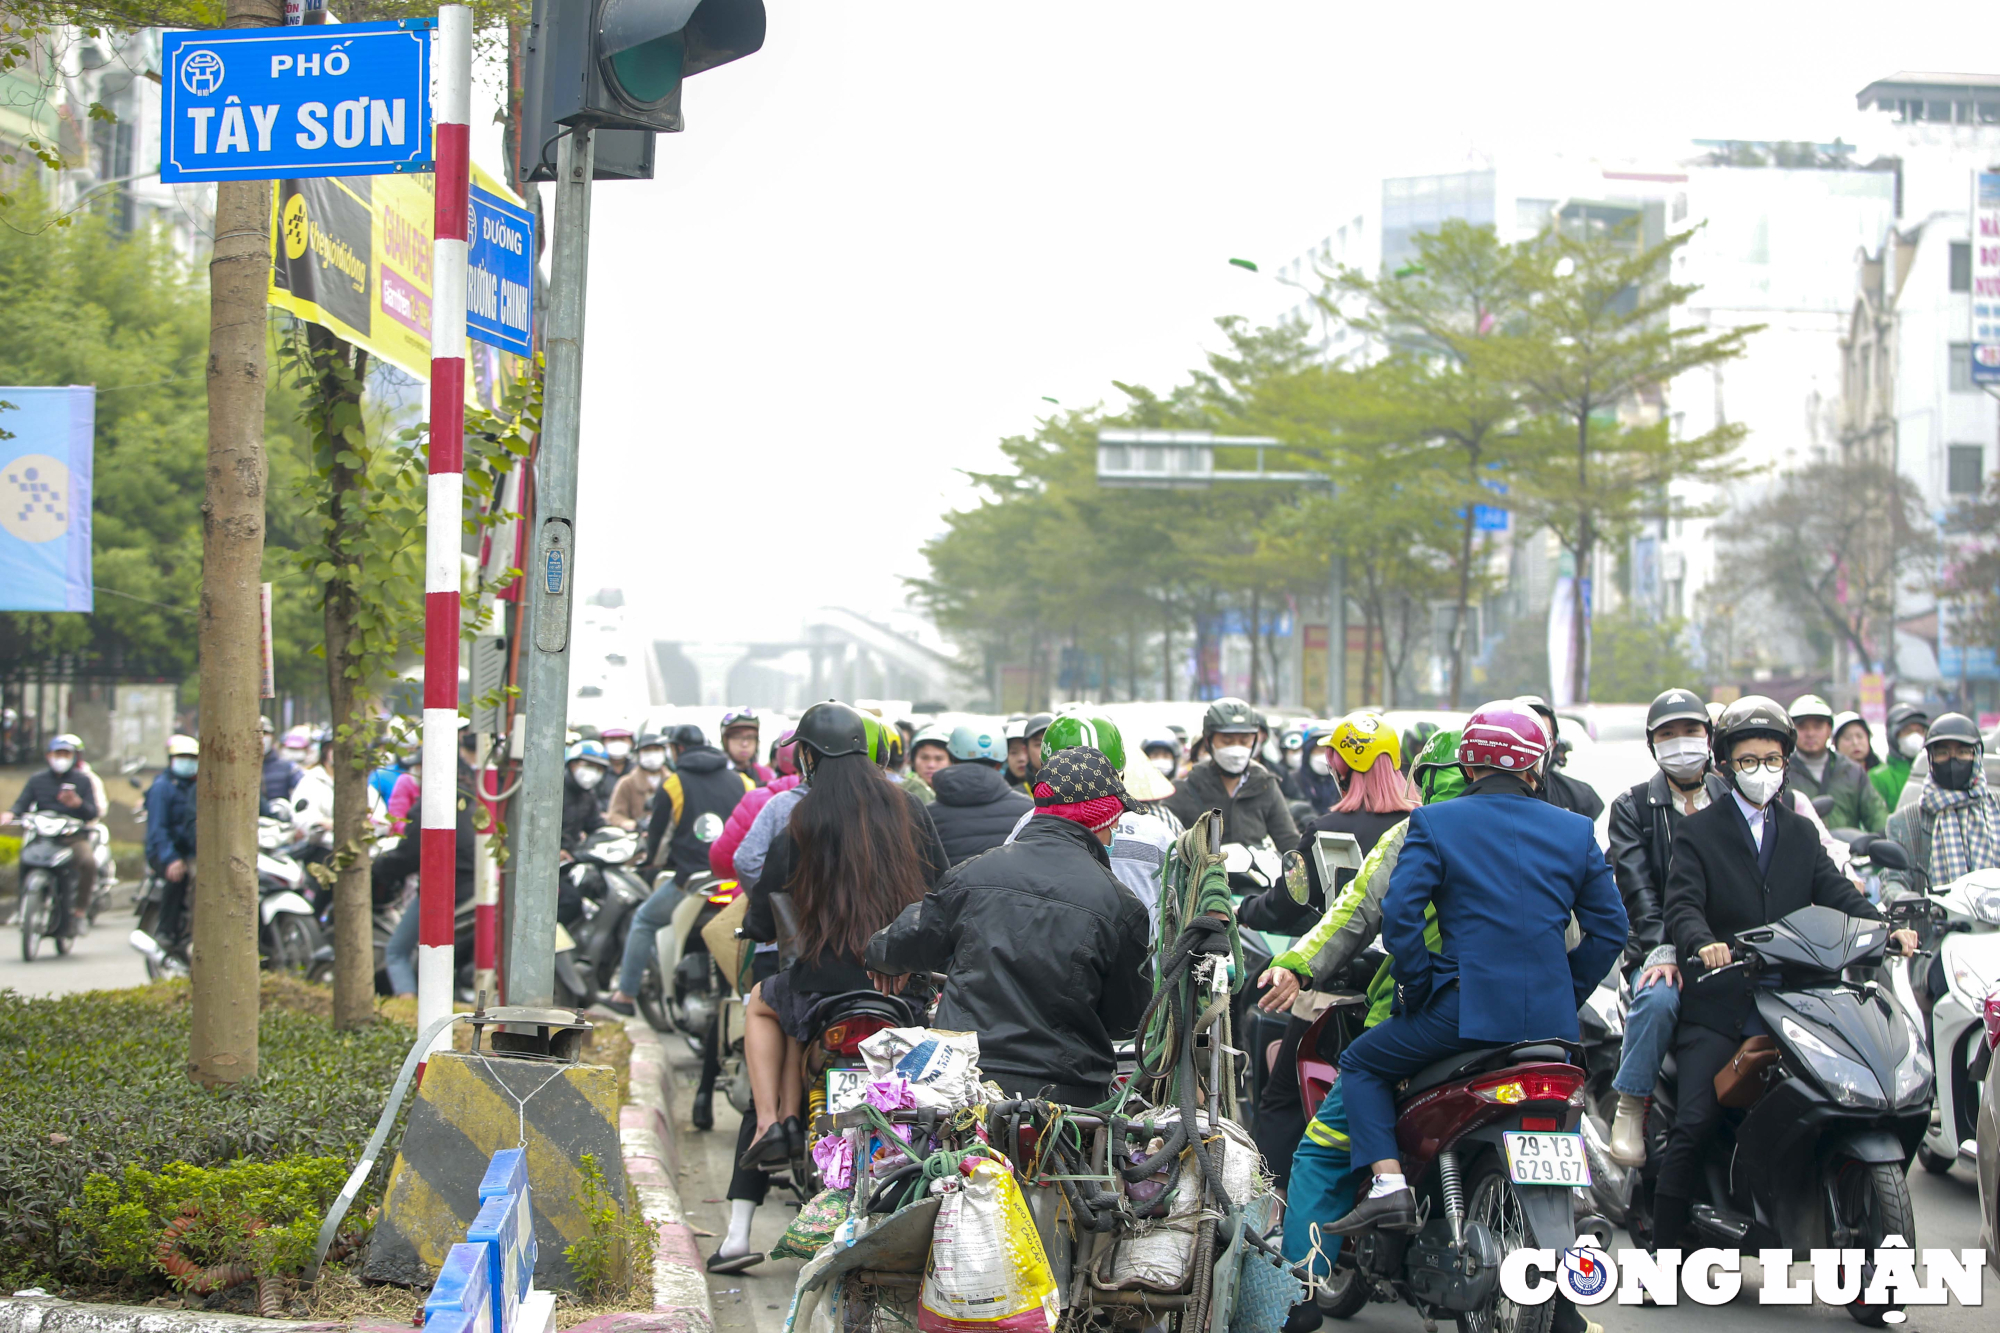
[101, 960]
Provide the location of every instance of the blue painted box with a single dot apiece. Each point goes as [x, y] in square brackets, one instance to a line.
[502, 1229]
[463, 1288]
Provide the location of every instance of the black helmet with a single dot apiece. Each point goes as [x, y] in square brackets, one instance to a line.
[1902, 715]
[1675, 705]
[1955, 727]
[686, 734]
[1754, 715]
[1227, 715]
[1036, 725]
[833, 728]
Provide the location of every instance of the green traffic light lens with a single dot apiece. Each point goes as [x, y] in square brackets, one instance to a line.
[650, 72]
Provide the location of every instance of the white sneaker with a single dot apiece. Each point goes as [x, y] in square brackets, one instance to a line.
[1628, 1131]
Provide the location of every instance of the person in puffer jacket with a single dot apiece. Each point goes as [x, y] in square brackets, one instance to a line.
[722, 853]
[975, 809]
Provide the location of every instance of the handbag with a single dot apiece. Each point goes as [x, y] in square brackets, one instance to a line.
[1747, 1076]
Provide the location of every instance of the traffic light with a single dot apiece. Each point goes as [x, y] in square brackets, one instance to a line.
[618, 64]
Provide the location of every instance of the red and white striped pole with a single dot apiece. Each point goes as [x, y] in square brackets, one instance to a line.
[444, 515]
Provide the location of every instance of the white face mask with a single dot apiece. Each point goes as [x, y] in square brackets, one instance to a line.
[61, 762]
[1165, 764]
[617, 749]
[1760, 785]
[587, 775]
[1319, 764]
[1232, 759]
[652, 760]
[292, 756]
[1683, 758]
[1910, 743]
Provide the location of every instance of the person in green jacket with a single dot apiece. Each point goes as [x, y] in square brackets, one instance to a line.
[1817, 769]
[1907, 727]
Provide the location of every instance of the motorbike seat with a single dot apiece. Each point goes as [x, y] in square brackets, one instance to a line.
[1483, 1060]
[861, 1004]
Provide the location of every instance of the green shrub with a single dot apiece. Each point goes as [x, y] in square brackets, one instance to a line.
[263, 1214]
[94, 1084]
[10, 848]
[614, 1255]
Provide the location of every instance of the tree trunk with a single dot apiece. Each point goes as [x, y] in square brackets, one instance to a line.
[1464, 587]
[222, 1028]
[1256, 612]
[1586, 547]
[1166, 650]
[353, 906]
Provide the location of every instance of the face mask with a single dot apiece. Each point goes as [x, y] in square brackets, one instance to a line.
[1319, 764]
[617, 749]
[587, 775]
[652, 760]
[1683, 758]
[293, 756]
[182, 767]
[1232, 759]
[60, 762]
[1952, 774]
[1909, 743]
[1292, 759]
[1760, 786]
[1165, 764]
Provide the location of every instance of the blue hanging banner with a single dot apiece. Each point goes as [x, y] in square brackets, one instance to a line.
[46, 439]
[290, 103]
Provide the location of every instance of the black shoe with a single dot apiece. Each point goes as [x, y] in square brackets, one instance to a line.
[702, 1113]
[795, 1137]
[1394, 1211]
[773, 1149]
[624, 1007]
[735, 1263]
[1304, 1318]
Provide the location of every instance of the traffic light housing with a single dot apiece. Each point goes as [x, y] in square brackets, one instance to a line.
[619, 64]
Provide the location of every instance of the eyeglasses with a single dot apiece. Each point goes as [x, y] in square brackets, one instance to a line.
[1750, 763]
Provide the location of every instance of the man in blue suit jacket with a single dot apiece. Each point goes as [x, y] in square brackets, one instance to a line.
[1503, 871]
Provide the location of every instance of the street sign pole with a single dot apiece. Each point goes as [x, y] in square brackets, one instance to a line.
[443, 518]
[529, 960]
[1336, 637]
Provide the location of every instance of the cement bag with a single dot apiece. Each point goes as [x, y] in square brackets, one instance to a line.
[987, 1272]
[942, 1068]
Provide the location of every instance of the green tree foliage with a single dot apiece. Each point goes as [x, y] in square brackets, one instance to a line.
[1634, 657]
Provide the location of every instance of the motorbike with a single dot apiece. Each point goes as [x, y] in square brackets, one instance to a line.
[48, 882]
[684, 988]
[1948, 982]
[1489, 1141]
[289, 938]
[1819, 1159]
[609, 893]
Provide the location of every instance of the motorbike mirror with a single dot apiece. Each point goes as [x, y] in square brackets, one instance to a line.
[1888, 854]
[1824, 805]
[1296, 882]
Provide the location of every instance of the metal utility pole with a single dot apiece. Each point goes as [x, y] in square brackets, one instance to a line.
[529, 971]
[1336, 637]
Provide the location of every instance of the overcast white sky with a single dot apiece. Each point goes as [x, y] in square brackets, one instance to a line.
[887, 235]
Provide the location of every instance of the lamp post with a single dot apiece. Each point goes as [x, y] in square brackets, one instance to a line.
[1185, 460]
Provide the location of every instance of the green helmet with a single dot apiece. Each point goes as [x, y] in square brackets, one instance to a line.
[1436, 771]
[1092, 733]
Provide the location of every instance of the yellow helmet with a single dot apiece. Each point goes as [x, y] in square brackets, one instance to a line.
[1361, 738]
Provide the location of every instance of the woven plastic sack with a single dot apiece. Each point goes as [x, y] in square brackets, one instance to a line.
[814, 1226]
[1157, 1255]
[987, 1271]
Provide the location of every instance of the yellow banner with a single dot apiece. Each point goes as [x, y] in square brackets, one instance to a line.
[353, 255]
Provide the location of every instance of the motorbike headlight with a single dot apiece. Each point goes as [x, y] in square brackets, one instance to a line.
[1913, 1071]
[270, 835]
[1986, 906]
[1846, 1079]
[1965, 979]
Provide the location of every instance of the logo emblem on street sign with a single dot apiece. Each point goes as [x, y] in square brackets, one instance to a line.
[201, 73]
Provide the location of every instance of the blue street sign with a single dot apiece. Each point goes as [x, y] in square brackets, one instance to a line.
[287, 103]
[500, 274]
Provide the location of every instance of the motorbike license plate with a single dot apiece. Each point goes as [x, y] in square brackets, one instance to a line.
[844, 1089]
[1547, 1159]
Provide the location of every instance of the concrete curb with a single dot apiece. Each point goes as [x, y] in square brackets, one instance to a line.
[49, 1314]
[646, 1129]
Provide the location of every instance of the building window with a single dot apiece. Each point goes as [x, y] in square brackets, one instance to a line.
[1961, 368]
[1961, 266]
[1965, 469]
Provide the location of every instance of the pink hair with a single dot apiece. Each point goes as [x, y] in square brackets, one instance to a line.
[1380, 790]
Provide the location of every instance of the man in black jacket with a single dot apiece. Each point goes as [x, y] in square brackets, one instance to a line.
[1044, 952]
[1557, 788]
[59, 788]
[1742, 862]
[1252, 802]
[975, 809]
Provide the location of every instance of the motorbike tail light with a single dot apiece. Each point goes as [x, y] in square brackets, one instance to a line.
[1558, 1083]
[1540, 1122]
[1993, 1021]
[845, 1038]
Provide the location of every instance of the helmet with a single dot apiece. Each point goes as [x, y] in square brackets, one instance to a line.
[1164, 740]
[649, 740]
[833, 728]
[1505, 735]
[1755, 715]
[1227, 715]
[1536, 703]
[183, 747]
[1361, 738]
[1842, 721]
[591, 752]
[63, 740]
[1675, 705]
[740, 717]
[686, 734]
[1092, 733]
[298, 738]
[1435, 769]
[1036, 725]
[1811, 705]
[615, 734]
[1417, 736]
[976, 743]
[1293, 739]
[1715, 711]
[931, 735]
[1948, 727]
[264, 725]
[1016, 728]
[888, 741]
[1902, 715]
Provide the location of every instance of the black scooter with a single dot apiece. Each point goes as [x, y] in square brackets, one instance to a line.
[1819, 1161]
[606, 894]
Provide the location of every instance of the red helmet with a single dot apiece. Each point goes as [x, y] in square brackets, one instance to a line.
[1504, 735]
